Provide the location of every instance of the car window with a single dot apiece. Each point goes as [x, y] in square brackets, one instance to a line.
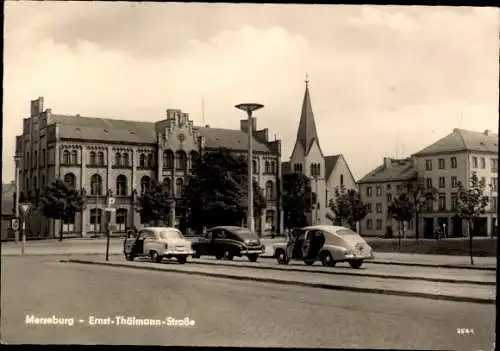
[171, 234]
[219, 234]
[208, 235]
[142, 234]
[149, 235]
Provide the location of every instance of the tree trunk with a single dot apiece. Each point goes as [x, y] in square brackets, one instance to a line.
[416, 226]
[61, 225]
[399, 237]
[471, 230]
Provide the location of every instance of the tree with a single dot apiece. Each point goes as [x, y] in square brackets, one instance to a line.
[297, 199]
[419, 195]
[471, 204]
[61, 201]
[156, 203]
[402, 209]
[347, 208]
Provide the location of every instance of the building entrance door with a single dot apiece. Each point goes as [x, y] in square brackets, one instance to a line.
[428, 228]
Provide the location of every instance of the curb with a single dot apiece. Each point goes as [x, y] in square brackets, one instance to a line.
[367, 275]
[297, 283]
[411, 264]
[61, 254]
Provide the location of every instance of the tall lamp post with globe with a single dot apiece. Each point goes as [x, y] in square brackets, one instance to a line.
[249, 108]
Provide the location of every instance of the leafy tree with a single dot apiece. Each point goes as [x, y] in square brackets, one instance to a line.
[419, 195]
[471, 204]
[297, 199]
[347, 208]
[156, 203]
[402, 209]
[61, 201]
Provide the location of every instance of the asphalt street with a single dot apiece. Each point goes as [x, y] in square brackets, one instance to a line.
[226, 312]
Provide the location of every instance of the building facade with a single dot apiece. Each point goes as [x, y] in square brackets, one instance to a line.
[111, 158]
[325, 172]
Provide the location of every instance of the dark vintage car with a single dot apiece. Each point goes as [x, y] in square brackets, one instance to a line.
[226, 242]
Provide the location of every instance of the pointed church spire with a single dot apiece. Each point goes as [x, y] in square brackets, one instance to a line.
[307, 127]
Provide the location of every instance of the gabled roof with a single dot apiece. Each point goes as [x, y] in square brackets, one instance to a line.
[463, 140]
[307, 133]
[330, 162]
[397, 170]
[116, 130]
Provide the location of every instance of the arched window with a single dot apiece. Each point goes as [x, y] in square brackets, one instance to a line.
[74, 157]
[267, 167]
[167, 183]
[66, 158]
[100, 156]
[151, 161]
[35, 183]
[194, 156]
[341, 179]
[312, 169]
[255, 169]
[168, 159]
[92, 158]
[269, 190]
[142, 160]
[118, 159]
[44, 155]
[121, 185]
[121, 219]
[95, 220]
[181, 159]
[125, 160]
[96, 185]
[70, 179]
[43, 182]
[145, 184]
[35, 159]
[179, 183]
[273, 167]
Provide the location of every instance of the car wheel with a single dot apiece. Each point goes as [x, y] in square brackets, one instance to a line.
[309, 262]
[219, 256]
[280, 256]
[181, 259]
[228, 255]
[356, 264]
[155, 257]
[129, 257]
[253, 258]
[327, 259]
[196, 254]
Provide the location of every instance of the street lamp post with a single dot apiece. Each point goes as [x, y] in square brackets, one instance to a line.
[249, 108]
[17, 160]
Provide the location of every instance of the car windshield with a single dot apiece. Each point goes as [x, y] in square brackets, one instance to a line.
[246, 235]
[346, 232]
[171, 234]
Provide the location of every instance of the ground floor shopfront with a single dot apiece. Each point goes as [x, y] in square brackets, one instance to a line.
[453, 226]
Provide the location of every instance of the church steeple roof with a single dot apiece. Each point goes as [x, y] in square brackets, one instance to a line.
[307, 132]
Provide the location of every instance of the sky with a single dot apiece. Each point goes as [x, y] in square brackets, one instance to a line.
[385, 81]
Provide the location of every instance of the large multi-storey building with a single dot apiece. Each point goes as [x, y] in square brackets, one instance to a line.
[325, 172]
[119, 159]
[442, 166]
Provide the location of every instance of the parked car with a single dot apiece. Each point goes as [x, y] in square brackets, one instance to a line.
[326, 243]
[227, 242]
[157, 243]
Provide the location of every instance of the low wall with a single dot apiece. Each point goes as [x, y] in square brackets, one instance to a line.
[481, 247]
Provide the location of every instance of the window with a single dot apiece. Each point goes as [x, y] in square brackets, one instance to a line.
[121, 219]
[181, 159]
[44, 155]
[429, 182]
[483, 181]
[389, 197]
[442, 182]
[145, 184]
[118, 159]
[35, 183]
[428, 165]
[388, 186]
[378, 191]
[167, 183]
[369, 208]
[453, 162]
[255, 170]
[494, 183]
[125, 160]
[474, 162]
[95, 220]
[27, 184]
[398, 188]
[92, 158]
[194, 158]
[410, 224]
[267, 167]
[369, 224]
[494, 165]
[96, 185]
[43, 182]
[69, 224]
[151, 161]
[378, 208]
[429, 205]
[341, 179]
[74, 157]
[66, 157]
[35, 159]
[378, 224]
[454, 201]
[69, 178]
[493, 205]
[27, 160]
[369, 191]
[441, 163]
[454, 182]
[121, 185]
[442, 202]
[269, 190]
[273, 167]
[101, 158]
[168, 159]
[483, 163]
[179, 183]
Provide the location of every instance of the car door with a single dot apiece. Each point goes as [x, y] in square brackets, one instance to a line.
[218, 240]
[138, 248]
[307, 243]
[149, 241]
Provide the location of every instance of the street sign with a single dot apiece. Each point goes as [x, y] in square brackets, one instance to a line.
[14, 224]
[109, 209]
[25, 207]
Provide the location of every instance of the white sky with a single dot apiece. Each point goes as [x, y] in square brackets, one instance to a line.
[379, 76]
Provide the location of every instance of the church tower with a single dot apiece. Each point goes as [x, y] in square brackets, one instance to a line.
[307, 157]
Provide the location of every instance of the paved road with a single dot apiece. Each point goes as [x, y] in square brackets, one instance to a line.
[227, 313]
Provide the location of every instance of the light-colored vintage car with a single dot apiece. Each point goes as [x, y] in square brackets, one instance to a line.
[158, 243]
[326, 243]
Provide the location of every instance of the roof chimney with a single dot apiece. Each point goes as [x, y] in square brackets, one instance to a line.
[387, 162]
[487, 132]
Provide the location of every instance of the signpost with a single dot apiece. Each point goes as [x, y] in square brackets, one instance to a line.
[109, 209]
[25, 207]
